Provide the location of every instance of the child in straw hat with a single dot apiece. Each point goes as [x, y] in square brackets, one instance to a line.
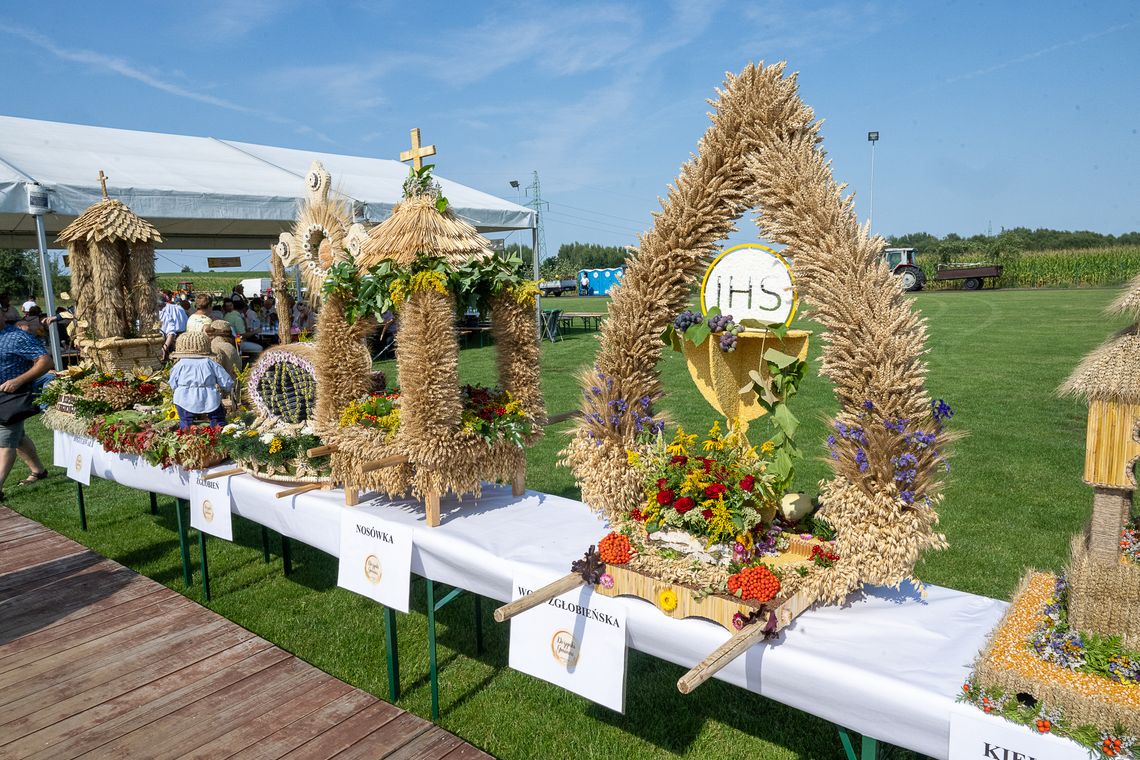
[196, 379]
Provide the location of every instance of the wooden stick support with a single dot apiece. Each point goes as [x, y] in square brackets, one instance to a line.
[320, 451]
[563, 417]
[540, 596]
[299, 489]
[379, 464]
[223, 473]
[431, 507]
[724, 654]
[518, 481]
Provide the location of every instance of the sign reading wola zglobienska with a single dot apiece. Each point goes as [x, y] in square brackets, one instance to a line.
[576, 641]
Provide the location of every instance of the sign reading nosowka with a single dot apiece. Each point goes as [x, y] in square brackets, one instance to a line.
[977, 736]
[210, 506]
[375, 558]
[80, 452]
[576, 641]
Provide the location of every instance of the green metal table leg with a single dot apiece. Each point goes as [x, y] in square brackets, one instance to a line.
[478, 624]
[392, 645]
[187, 578]
[82, 505]
[153, 503]
[265, 543]
[205, 566]
[286, 555]
[433, 671]
[868, 747]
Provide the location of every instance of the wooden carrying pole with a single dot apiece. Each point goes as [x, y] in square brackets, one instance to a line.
[298, 490]
[563, 417]
[724, 654]
[223, 473]
[379, 464]
[320, 451]
[540, 596]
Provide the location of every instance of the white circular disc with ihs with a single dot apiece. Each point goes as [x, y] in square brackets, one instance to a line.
[750, 281]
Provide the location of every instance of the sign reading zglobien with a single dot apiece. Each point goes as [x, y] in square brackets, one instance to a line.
[210, 506]
[80, 452]
[576, 641]
[750, 281]
[977, 736]
[375, 558]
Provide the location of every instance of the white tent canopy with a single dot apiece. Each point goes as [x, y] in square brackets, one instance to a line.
[200, 192]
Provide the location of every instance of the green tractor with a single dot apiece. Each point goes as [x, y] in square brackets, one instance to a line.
[903, 264]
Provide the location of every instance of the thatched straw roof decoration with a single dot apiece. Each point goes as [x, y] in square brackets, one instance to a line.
[416, 227]
[1128, 303]
[109, 219]
[1111, 372]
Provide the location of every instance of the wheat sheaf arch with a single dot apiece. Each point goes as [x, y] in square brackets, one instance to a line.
[764, 151]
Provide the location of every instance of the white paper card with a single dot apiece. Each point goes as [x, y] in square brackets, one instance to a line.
[80, 452]
[576, 641]
[59, 448]
[375, 558]
[210, 505]
[976, 736]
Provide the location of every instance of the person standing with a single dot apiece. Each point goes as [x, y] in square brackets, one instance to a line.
[8, 312]
[172, 322]
[196, 379]
[202, 316]
[584, 286]
[23, 359]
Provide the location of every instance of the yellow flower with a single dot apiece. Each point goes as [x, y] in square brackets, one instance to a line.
[745, 540]
[681, 443]
[512, 407]
[525, 293]
[350, 415]
[714, 431]
[667, 600]
[720, 524]
[171, 413]
[429, 280]
[398, 292]
[767, 447]
[694, 481]
[632, 458]
[274, 445]
[251, 434]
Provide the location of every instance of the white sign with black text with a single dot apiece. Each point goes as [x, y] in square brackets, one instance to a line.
[977, 736]
[210, 506]
[375, 558]
[576, 641]
[80, 452]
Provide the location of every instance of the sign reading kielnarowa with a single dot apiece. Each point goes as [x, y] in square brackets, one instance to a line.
[210, 506]
[375, 558]
[977, 736]
[576, 641]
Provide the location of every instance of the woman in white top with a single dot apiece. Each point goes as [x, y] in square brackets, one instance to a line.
[201, 318]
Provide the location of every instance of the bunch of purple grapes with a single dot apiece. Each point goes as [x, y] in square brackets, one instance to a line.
[687, 319]
[723, 324]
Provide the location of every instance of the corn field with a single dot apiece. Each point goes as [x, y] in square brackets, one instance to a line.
[1058, 268]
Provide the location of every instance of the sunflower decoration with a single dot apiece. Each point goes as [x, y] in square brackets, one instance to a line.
[667, 600]
[320, 235]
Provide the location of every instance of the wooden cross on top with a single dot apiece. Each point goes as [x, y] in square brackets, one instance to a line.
[416, 154]
[103, 183]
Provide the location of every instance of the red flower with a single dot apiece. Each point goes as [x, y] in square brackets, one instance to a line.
[679, 459]
[500, 411]
[714, 490]
[684, 504]
[660, 483]
[635, 514]
[708, 463]
[748, 483]
[665, 496]
[707, 514]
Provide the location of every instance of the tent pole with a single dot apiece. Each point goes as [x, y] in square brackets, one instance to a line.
[537, 276]
[49, 295]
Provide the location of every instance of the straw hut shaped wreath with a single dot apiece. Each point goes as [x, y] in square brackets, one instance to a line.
[111, 256]
[431, 453]
[1104, 590]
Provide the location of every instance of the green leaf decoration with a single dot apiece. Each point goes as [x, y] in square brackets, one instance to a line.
[698, 334]
[786, 420]
[652, 526]
[779, 330]
[779, 358]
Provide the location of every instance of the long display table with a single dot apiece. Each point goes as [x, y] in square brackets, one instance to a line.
[887, 665]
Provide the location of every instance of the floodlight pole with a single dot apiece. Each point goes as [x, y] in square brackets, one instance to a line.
[38, 205]
[872, 137]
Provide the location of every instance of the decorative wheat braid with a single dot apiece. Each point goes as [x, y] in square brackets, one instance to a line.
[763, 149]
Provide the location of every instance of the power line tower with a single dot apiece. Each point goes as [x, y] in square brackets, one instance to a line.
[534, 190]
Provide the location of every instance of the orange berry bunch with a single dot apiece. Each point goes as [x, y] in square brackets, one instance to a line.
[1044, 726]
[755, 582]
[614, 549]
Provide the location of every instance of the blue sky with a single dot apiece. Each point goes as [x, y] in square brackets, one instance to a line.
[991, 114]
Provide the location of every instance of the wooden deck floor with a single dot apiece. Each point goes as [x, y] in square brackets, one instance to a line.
[98, 661]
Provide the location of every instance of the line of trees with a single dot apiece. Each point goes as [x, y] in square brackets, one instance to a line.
[1006, 244]
[20, 274]
[572, 257]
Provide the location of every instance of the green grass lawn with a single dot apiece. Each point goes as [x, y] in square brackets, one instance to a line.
[1014, 498]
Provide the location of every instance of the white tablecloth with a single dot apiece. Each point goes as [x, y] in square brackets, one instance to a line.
[888, 665]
